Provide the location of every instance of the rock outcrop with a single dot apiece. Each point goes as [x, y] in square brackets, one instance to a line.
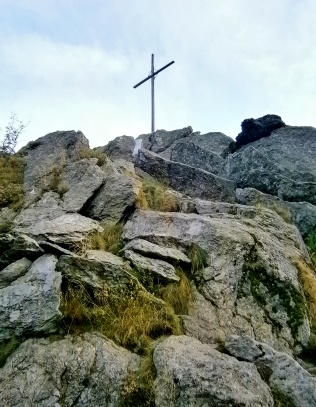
[188, 253]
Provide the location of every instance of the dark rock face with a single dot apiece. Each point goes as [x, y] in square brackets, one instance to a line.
[120, 147]
[255, 129]
[282, 164]
[187, 179]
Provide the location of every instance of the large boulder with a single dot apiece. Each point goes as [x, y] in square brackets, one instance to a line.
[162, 139]
[46, 157]
[83, 371]
[255, 129]
[283, 374]
[187, 179]
[282, 164]
[115, 200]
[120, 147]
[97, 270]
[152, 268]
[68, 230]
[30, 304]
[14, 271]
[190, 373]
[250, 285]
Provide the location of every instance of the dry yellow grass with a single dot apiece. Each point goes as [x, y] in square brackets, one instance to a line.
[155, 196]
[109, 240]
[85, 152]
[11, 181]
[308, 280]
[178, 295]
[130, 318]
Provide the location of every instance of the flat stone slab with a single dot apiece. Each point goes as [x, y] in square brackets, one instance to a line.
[153, 250]
[159, 268]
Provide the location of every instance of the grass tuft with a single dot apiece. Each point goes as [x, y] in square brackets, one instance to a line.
[178, 295]
[87, 153]
[198, 257]
[155, 196]
[129, 317]
[11, 181]
[109, 240]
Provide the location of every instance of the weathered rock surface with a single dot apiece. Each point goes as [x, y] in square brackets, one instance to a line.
[97, 271]
[162, 139]
[30, 303]
[184, 178]
[49, 207]
[46, 158]
[255, 129]
[115, 200]
[205, 151]
[302, 214]
[83, 178]
[155, 268]
[16, 246]
[282, 372]
[6, 218]
[120, 147]
[190, 373]
[282, 164]
[83, 371]
[250, 285]
[14, 271]
[68, 229]
[148, 249]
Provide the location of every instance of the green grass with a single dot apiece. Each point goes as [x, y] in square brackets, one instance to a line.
[87, 153]
[199, 259]
[109, 240]
[11, 181]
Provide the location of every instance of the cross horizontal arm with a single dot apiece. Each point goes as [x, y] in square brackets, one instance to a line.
[154, 74]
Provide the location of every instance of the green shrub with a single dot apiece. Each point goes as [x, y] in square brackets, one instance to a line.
[11, 181]
[198, 257]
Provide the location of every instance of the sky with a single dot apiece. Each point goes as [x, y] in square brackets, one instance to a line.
[72, 65]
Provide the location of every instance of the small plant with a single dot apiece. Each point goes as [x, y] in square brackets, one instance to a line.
[308, 280]
[11, 181]
[109, 240]
[178, 295]
[129, 317]
[311, 242]
[54, 181]
[198, 257]
[12, 133]
[155, 196]
[86, 152]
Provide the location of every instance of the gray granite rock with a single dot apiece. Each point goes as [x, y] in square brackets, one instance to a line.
[302, 214]
[68, 229]
[251, 284]
[192, 374]
[13, 271]
[162, 139]
[46, 158]
[283, 374]
[187, 179]
[84, 371]
[148, 249]
[115, 200]
[30, 304]
[16, 246]
[97, 271]
[120, 147]
[155, 268]
[282, 164]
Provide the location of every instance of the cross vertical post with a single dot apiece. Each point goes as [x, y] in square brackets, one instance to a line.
[152, 77]
[152, 96]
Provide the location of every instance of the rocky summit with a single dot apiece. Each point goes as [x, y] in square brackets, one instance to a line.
[174, 270]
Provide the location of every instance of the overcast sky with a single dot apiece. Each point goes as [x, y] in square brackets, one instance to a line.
[72, 64]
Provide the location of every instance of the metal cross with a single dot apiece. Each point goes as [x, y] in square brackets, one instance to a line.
[152, 77]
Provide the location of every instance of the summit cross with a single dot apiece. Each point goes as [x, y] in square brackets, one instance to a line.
[152, 77]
